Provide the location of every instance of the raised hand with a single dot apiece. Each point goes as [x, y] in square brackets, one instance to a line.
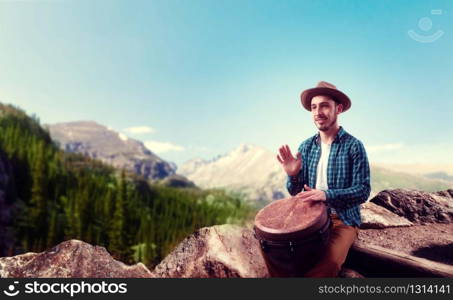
[290, 164]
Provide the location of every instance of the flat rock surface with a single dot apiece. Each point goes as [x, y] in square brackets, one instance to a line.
[433, 241]
[377, 217]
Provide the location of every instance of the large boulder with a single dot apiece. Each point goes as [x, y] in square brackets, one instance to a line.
[219, 251]
[377, 217]
[71, 258]
[417, 206]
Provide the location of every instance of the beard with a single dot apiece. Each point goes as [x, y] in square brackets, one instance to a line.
[326, 126]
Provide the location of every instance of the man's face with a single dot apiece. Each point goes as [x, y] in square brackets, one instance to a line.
[324, 111]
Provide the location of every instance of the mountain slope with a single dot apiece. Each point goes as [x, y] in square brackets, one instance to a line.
[382, 178]
[116, 149]
[256, 172]
[249, 169]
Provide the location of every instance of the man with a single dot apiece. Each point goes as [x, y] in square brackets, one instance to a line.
[332, 166]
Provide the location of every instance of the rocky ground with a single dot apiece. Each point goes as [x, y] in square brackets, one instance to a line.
[412, 222]
[433, 241]
[430, 233]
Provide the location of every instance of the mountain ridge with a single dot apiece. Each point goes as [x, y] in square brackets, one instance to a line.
[114, 148]
[254, 171]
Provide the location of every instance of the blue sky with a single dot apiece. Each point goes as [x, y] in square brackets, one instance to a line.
[206, 76]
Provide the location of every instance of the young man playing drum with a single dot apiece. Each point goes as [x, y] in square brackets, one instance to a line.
[332, 166]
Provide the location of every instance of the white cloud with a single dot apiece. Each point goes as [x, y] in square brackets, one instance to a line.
[160, 147]
[139, 130]
[123, 136]
[384, 147]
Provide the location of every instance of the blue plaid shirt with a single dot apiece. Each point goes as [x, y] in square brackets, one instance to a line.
[348, 174]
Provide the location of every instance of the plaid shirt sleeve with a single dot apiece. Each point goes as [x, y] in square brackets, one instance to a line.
[360, 189]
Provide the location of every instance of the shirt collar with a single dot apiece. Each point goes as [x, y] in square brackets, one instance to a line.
[338, 138]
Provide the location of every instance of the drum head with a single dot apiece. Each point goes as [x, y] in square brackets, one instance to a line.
[290, 217]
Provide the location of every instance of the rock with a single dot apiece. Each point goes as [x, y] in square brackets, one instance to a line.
[417, 206]
[448, 194]
[220, 251]
[377, 217]
[69, 259]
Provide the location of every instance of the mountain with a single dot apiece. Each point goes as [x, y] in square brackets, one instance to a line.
[436, 171]
[249, 169]
[383, 178]
[48, 195]
[255, 171]
[440, 175]
[111, 147]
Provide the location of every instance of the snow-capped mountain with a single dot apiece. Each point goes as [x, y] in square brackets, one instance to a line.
[111, 147]
[250, 169]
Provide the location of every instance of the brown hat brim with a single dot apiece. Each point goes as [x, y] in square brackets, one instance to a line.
[337, 96]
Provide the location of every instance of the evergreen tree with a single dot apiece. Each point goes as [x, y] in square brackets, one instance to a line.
[60, 196]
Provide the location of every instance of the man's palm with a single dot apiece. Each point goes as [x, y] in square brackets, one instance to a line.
[291, 164]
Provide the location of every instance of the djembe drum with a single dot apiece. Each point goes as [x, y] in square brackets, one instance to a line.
[293, 235]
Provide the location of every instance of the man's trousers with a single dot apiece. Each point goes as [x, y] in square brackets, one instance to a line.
[341, 239]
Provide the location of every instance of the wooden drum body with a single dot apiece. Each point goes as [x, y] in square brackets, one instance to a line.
[293, 235]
